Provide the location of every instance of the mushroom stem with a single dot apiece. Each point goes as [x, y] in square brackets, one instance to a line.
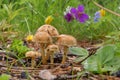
[52, 58]
[43, 54]
[47, 56]
[33, 63]
[65, 54]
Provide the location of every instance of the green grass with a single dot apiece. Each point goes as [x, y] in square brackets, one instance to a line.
[22, 13]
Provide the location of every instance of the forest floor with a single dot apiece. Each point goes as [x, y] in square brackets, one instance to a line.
[57, 71]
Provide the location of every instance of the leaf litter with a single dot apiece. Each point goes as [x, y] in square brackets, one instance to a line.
[10, 65]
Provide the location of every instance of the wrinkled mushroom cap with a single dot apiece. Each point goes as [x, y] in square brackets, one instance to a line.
[52, 31]
[33, 54]
[66, 40]
[42, 37]
[52, 48]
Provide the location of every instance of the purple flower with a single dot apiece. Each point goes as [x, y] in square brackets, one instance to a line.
[68, 17]
[97, 16]
[79, 14]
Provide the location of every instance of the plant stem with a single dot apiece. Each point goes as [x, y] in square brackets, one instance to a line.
[28, 26]
[106, 9]
[85, 58]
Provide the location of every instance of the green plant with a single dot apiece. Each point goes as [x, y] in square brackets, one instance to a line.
[5, 77]
[8, 27]
[19, 48]
[113, 37]
[106, 59]
[80, 52]
[14, 12]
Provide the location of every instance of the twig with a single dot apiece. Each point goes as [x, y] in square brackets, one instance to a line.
[84, 58]
[106, 9]
[64, 77]
[55, 69]
[36, 76]
[31, 78]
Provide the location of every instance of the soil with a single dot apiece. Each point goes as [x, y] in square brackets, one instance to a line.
[57, 71]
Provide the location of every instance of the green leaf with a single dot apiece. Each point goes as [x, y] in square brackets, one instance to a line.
[5, 77]
[78, 51]
[81, 52]
[105, 53]
[91, 64]
[18, 47]
[104, 60]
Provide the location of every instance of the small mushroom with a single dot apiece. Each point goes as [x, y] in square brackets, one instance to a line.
[32, 55]
[66, 41]
[43, 39]
[52, 31]
[51, 50]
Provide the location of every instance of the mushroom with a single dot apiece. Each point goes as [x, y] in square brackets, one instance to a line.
[51, 50]
[66, 41]
[43, 39]
[52, 31]
[32, 55]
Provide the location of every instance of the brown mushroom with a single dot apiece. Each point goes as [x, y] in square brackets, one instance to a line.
[52, 31]
[32, 55]
[66, 41]
[43, 39]
[50, 51]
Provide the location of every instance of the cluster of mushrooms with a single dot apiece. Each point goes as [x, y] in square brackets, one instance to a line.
[50, 42]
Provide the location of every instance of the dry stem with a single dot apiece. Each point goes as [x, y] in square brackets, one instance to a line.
[106, 9]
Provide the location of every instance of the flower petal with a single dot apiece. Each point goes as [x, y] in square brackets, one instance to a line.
[102, 12]
[96, 19]
[83, 18]
[68, 17]
[81, 8]
[97, 14]
[73, 10]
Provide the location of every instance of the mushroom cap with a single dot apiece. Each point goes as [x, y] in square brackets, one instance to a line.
[42, 37]
[66, 40]
[52, 48]
[33, 54]
[52, 31]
